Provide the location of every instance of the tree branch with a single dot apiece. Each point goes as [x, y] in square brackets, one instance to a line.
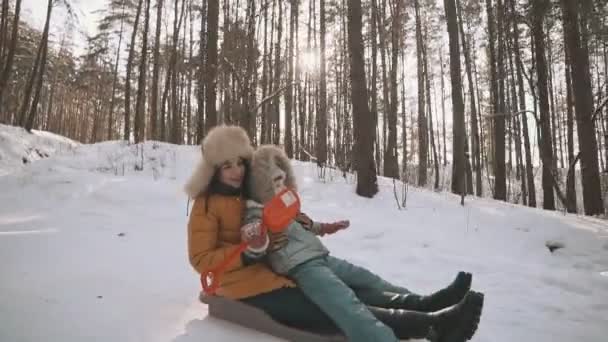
[233, 71]
[271, 96]
[598, 110]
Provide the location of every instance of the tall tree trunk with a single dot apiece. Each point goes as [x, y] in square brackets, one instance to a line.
[289, 94]
[404, 157]
[156, 73]
[190, 133]
[176, 134]
[321, 132]
[571, 205]
[127, 128]
[44, 44]
[29, 86]
[515, 122]
[362, 120]
[570, 179]
[265, 80]
[276, 133]
[445, 155]
[211, 64]
[422, 122]
[458, 128]
[3, 30]
[374, 77]
[8, 65]
[115, 74]
[140, 103]
[474, 130]
[391, 165]
[385, 93]
[500, 184]
[552, 110]
[583, 104]
[200, 121]
[427, 82]
[522, 107]
[539, 9]
[605, 117]
[494, 95]
[516, 125]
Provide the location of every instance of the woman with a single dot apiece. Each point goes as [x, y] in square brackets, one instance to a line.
[214, 233]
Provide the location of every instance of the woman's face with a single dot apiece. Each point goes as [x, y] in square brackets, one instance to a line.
[232, 172]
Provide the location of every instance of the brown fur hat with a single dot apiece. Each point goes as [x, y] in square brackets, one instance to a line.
[222, 143]
[267, 160]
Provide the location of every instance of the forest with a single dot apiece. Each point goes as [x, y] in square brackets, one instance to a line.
[505, 99]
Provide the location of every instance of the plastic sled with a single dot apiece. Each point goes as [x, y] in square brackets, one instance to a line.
[253, 318]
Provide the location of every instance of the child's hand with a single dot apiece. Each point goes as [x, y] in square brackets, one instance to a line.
[330, 228]
[252, 234]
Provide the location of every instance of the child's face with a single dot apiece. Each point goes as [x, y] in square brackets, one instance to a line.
[232, 172]
[278, 181]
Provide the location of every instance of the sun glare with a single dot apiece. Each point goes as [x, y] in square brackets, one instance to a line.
[309, 61]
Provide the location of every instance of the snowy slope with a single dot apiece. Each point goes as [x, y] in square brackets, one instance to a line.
[94, 253]
[18, 148]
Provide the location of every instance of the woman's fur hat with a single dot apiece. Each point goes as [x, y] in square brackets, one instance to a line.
[266, 163]
[222, 143]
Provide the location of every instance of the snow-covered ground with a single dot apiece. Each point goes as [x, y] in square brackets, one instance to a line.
[94, 250]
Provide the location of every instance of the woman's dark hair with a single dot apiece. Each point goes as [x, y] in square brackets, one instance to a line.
[217, 187]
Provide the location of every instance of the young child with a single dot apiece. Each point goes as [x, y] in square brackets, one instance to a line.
[329, 281]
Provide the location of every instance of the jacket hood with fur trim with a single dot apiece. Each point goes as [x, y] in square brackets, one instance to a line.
[222, 143]
[267, 160]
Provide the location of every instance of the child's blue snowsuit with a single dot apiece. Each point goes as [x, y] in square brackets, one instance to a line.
[329, 281]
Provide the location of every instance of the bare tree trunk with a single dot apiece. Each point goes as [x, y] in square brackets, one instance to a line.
[190, 133]
[445, 155]
[115, 74]
[21, 118]
[605, 117]
[291, 91]
[8, 65]
[422, 122]
[522, 107]
[385, 93]
[583, 104]
[539, 8]
[41, 69]
[127, 127]
[275, 131]
[458, 128]
[3, 30]
[156, 73]
[176, 136]
[374, 77]
[140, 121]
[403, 123]
[570, 180]
[552, 113]
[474, 130]
[211, 64]
[391, 165]
[298, 87]
[200, 121]
[499, 121]
[321, 132]
[427, 81]
[516, 125]
[362, 120]
[264, 82]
